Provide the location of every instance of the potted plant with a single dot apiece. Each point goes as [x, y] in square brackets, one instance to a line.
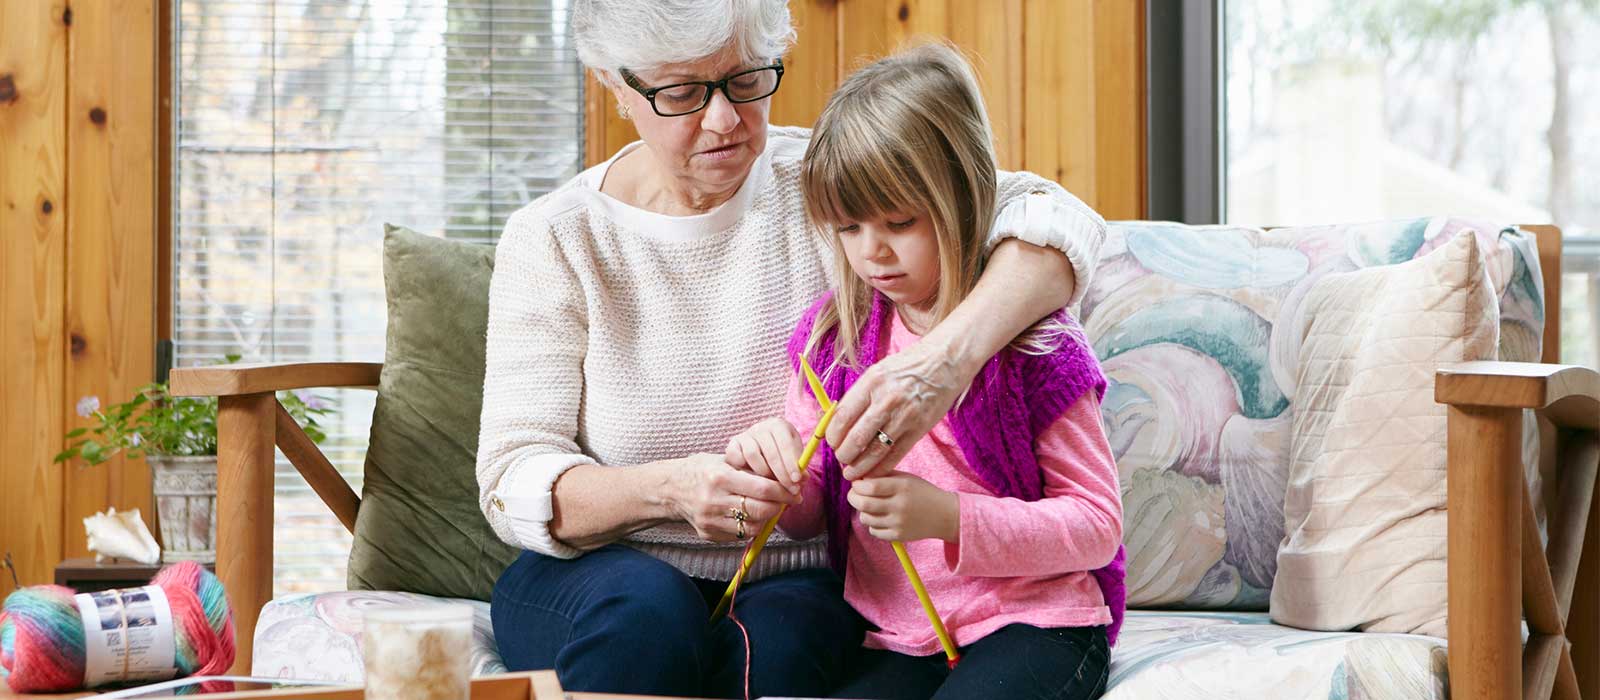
[177, 436]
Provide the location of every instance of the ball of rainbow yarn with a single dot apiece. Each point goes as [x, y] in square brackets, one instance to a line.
[41, 634]
[41, 640]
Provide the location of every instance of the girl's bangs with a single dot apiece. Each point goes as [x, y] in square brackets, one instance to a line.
[859, 176]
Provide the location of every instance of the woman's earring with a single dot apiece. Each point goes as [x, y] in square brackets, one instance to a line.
[622, 109]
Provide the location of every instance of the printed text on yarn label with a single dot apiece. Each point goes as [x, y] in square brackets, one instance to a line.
[127, 636]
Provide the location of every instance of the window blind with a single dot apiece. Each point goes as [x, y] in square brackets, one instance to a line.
[301, 127]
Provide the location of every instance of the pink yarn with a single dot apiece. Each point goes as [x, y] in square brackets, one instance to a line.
[210, 635]
[42, 642]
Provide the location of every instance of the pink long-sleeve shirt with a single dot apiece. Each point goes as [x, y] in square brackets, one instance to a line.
[1016, 561]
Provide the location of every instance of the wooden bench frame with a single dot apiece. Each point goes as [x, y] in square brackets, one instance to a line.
[1499, 572]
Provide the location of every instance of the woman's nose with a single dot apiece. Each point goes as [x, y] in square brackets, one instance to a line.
[720, 116]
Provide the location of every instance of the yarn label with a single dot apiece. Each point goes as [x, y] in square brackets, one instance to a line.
[127, 636]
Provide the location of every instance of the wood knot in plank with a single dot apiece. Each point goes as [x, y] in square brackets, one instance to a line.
[905, 12]
[77, 344]
[47, 207]
[66, 16]
[98, 116]
[8, 88]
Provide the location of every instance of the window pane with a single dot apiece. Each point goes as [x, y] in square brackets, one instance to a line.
[1367, 109]
[302, 126]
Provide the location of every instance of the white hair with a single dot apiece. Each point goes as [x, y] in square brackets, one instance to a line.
[647, 34]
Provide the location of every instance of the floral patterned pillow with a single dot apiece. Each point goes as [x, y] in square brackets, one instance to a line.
[1198, 330]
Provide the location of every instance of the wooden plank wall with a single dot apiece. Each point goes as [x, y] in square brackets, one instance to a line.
[33, 59]
[78, 250]
[1064, 81]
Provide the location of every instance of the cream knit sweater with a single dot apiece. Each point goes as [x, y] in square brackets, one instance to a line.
[620, 337]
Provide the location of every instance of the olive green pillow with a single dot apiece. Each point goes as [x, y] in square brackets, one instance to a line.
[419, 527]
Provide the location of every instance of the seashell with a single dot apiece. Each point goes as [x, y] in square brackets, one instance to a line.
[113, 534]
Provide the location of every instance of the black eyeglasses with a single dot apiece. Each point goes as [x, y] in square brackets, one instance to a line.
[679, 99]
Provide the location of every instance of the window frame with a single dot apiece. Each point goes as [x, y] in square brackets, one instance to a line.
[1185, 111]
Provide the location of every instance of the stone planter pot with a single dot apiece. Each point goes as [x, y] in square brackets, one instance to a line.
[186, 506]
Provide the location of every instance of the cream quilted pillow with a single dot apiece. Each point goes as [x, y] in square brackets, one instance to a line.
[1364, 538]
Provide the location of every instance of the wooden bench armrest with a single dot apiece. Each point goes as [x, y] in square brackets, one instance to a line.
[265, 378]
[1568, 394]
[1500, 570]
[250, 424]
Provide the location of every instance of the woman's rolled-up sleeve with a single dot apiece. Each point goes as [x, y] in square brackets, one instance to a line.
[1037, 211]
[532, 385]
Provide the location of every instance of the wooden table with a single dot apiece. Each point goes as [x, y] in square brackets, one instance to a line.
[5, 692]
[510, 686]
[84, 575]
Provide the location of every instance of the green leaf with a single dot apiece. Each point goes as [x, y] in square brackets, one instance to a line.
[77, 433]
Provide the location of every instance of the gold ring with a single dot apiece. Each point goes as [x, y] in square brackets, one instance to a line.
[885, 439]
[740, 533]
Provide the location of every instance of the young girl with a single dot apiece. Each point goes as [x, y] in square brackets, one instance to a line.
[1010, 507]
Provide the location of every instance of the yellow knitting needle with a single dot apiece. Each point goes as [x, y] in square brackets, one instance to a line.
[766, 530]
[899, 549]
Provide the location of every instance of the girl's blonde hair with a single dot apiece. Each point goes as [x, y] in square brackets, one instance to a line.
[907, 133]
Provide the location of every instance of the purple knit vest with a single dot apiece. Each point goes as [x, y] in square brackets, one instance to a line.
[1014, 397]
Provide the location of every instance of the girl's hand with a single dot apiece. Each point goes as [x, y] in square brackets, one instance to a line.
[771, 449]
[903, 395]
[706, 493]
[902, 508]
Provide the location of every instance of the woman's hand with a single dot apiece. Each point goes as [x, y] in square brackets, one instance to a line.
[902, 508]
[771, 449]
[903, 396]
[707, 493]
[906, 394]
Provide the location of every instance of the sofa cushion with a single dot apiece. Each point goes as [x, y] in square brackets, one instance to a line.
[1198, 328]
[1365, 509]
[419, 528]
[1160, 655]
[1188, 655]
[318, 636]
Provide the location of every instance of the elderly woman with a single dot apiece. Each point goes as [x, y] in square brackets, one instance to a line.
[638, 319]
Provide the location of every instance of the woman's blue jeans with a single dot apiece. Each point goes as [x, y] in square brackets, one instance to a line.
[619, 621]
